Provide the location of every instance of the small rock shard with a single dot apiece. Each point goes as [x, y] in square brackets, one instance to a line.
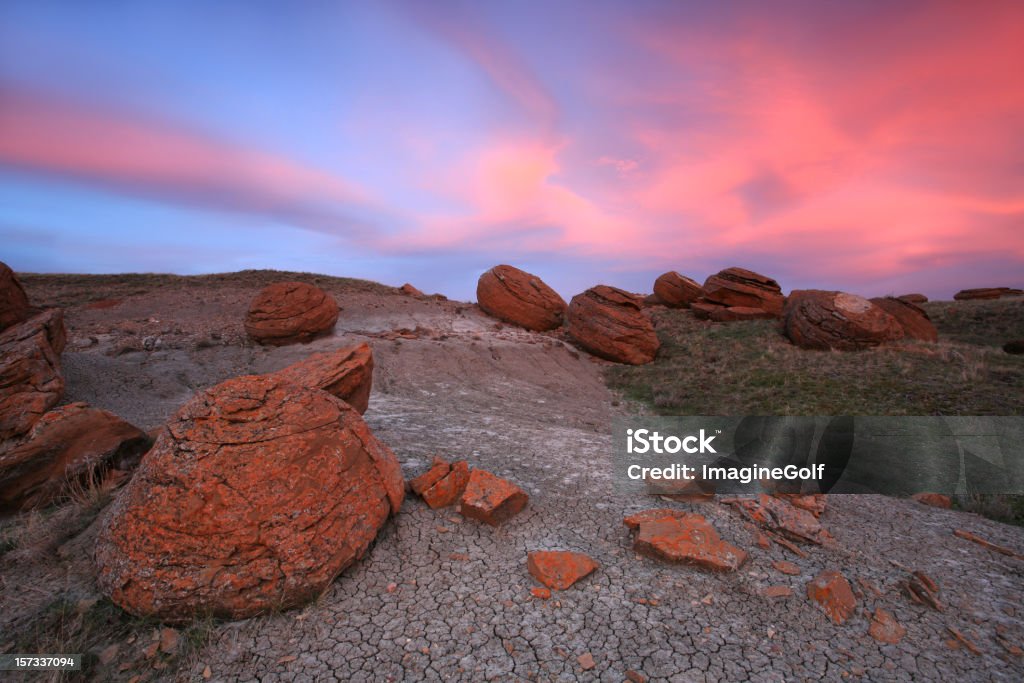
[491, 499]
[832, 592]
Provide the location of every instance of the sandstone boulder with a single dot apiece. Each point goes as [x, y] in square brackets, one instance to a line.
[684, 537]
[936, 500]
[675, 290]
[745, 288]
[257, 494]
[410, 290]
[520, 298]
[30, 373]
[911, 317]
[559, 569]
[61, 451]
[704, 309]
[913, 298]
[289, 313]
[833, 594]
[610, 323]
[987, 293]
[725, 314]
[816, 319]
[346, 373]
[491, 499]
[14, 306]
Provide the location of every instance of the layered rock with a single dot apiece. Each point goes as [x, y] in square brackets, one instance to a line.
[987, 293]
[14, 306]
[61, 451]
[678, 536]
[816, 319]
[520, 298]
[30, 373]
[912, 318]
[833, 594]
[610, 323]
[289, 313]
[491, 499]
[559, 569]
[675, 290]
[744, 288]
[725, 314]
[254, 497]
[346, 373]
[443, 484]
[913, 298]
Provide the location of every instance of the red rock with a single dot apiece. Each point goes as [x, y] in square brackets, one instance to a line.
[652, 300]
[797, 523]
[541, 593]
[812, 502]
[61, 451]
[786, 567]
[833, 594]
[922, 589]
[635, 676]
[816, 319]
[409, 290]
[586, 661]
[290, 312]
[559, 569]
[14, 306]
[885, 629]
[987, 293]
[777, 592]
[520, 298]
[635, 520]
[491, 499]
[609, 323]
[936, 500]
[346, 373]
[255, 497]
[745, 288]
[687, 538]
[734, 313]
[438, 470]
[675, 290]
[446, 490]
[911, 317]
[704, 309]
[31, 381]
[913, 298]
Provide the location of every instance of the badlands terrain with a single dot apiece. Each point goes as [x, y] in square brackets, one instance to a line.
[442, 597]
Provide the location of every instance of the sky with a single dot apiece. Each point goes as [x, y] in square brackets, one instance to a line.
[871, 147]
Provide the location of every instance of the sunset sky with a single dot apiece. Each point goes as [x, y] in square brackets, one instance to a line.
[874, 147]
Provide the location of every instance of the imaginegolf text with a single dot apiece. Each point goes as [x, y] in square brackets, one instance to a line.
[744, 475]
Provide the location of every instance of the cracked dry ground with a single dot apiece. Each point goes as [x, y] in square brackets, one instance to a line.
[443, 598]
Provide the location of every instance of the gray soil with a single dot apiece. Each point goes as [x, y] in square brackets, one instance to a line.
[443, 598]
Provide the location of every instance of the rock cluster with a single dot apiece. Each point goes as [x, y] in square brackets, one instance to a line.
[255, 496]
[346, 373]
[816, 319]
[912, 318]
[675, 290]
[443, 484]
[520, 298]
[610, 323]
[289, 313]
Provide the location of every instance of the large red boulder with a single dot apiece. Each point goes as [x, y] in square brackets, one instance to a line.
[987, 293]
[817, 319]
[346, 373]
[912, 318]
[256, 495]
[14, 306]
[675, 290]
[520, 298]
[745, 288]
[30, 374]
[913, 298]
[289, 313]
[61, 451]
[610, 323]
